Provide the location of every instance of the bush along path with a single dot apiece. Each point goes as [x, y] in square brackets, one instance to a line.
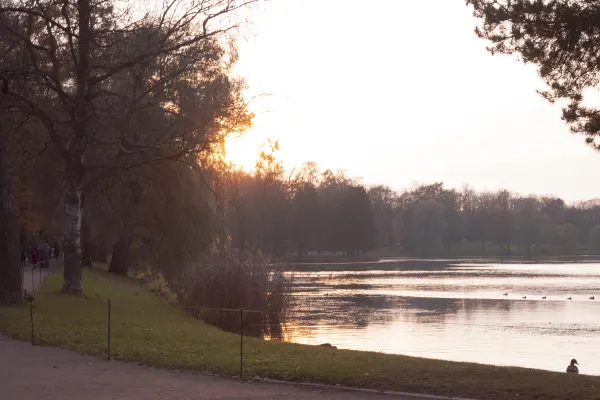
[147, 330]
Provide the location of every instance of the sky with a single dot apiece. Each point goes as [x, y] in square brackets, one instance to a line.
[400, 92]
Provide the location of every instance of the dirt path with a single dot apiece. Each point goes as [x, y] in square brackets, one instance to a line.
[47, 373]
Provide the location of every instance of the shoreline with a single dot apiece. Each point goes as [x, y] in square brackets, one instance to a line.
[406, 263]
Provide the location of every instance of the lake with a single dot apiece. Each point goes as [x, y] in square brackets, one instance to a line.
[457, 312]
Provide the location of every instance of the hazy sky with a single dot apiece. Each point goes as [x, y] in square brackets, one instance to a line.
[399, 91]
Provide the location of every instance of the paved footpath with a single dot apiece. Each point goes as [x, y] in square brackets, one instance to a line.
[48, 373]
[34, 276]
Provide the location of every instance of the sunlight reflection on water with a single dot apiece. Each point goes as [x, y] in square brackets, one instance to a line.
[458, 313]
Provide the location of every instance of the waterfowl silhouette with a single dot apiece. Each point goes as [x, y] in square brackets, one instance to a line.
[505, 294]
[572, 368]
[524, 297]
[592, 298]
[544, 297]
[569, 298]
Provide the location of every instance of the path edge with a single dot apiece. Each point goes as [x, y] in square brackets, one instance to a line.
[360, 390]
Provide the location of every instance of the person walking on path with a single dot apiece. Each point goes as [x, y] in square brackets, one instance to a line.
[45, 254]
[35, 254]
[56, 250]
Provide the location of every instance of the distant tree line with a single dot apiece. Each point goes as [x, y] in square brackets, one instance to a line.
[308, 210]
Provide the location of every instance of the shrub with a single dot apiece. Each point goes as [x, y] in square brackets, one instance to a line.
[157, 284]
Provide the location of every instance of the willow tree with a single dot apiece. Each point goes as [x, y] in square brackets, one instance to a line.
[96, 71]
[560, 37]
[155, 215]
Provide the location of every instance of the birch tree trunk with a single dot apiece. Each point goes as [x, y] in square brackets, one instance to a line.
[11, 280]
[72, 245]
[75, 168]
[86, 243]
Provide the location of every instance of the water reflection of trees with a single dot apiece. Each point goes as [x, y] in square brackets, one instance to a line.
[439, 310]
[261, 325]
[360, 311]
[324, 303]
[319, 306]
[344, 312]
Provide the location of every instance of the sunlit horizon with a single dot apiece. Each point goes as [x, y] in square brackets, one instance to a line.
[417, 99]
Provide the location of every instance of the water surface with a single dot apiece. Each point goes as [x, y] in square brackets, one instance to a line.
[485, 313]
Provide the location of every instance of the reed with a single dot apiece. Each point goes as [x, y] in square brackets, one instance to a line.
[230, 279]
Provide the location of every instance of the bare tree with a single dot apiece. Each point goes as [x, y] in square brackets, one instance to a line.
[114, 89]
[428, 226]
[383, 201]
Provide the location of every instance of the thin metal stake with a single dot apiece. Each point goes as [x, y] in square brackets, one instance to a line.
[40, 268]
[241, 344]
[31, 316]
[109, 330]
[32, 279]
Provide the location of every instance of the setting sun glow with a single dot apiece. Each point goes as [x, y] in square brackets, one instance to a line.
[394, 109]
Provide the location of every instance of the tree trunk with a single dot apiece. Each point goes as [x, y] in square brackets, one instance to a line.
[74, 162]
[93, 249]
[101, 252]
[11, 280]
[120, 258]
[86, 249]
[72, 245]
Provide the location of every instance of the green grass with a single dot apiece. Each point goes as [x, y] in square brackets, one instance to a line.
[148, 330]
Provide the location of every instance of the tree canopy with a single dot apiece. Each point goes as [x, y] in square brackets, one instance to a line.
[560, 37]
[112, 89]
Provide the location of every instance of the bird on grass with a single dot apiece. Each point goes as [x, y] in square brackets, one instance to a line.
[572, 368]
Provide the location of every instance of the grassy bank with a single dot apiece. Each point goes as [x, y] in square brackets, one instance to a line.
[147, 330]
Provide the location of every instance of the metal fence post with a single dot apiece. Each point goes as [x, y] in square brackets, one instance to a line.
[32, 279]
[241, 344]
[109, 356]
[31, 317]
